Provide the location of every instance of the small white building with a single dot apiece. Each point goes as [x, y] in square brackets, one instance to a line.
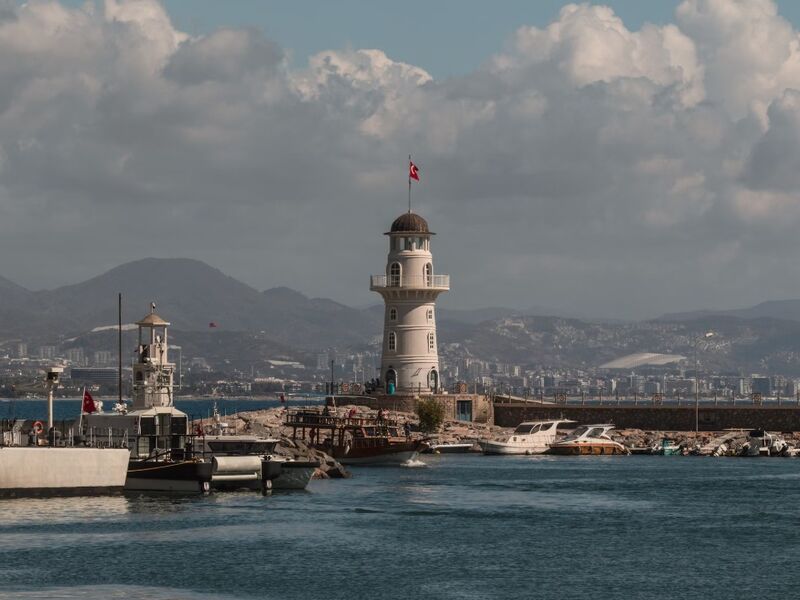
[410, 360]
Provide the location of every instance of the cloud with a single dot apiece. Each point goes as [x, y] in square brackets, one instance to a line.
[584, 165]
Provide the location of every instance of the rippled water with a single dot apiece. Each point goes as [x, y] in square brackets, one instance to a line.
[463, 527]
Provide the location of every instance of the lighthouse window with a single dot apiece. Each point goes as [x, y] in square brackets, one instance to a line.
[392, 342]
[409, 243]
[431, 342]
[429, 274]
[394, 275]
[429, 314]
[393, 314]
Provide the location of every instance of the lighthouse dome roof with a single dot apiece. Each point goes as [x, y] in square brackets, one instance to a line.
[409, 223]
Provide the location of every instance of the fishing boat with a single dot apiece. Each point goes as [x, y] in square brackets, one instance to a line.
[667, 447]
[249, 461]
[354, 440]
[531, 437]
[588, 440]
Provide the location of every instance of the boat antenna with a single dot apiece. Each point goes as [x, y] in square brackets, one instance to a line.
[119, 347]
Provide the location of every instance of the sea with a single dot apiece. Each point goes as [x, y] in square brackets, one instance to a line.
[453, 526]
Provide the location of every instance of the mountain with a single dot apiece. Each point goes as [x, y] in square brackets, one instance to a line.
[788, 310]
[280, 322]
[189, 294]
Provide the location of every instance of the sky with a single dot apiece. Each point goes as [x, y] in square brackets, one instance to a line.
[620, 160]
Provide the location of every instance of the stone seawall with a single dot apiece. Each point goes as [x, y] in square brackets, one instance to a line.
[480, 406]
[656, 418]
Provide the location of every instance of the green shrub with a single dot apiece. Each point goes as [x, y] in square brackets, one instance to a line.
[431, 415]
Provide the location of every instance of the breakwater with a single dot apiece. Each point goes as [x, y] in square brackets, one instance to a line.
[657, 418]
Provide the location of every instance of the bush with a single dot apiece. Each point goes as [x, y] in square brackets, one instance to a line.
[431, 415]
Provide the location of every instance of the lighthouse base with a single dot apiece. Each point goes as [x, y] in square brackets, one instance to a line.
[475, 408]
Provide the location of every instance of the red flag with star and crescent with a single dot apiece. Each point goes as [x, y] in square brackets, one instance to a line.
[88, 403]
[413, 171]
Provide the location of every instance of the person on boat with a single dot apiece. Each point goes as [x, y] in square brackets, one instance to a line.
[380, 415]
[407, 429]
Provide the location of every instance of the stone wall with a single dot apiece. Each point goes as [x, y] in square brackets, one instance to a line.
[658, 418]
[482, 408]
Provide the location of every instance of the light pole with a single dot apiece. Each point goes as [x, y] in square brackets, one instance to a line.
[707, 334]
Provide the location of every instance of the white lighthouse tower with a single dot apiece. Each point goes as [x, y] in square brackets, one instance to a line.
[410, 361]
[152, 371]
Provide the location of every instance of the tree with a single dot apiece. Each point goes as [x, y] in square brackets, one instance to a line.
[431, 415]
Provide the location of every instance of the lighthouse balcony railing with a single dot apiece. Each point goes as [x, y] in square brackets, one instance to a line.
[440, 282]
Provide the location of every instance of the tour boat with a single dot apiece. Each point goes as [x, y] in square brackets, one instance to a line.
[588, 439]
[763, 443]
[355, 440]
[532, 437]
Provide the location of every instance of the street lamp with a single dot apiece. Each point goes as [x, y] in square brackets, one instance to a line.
[706, 335]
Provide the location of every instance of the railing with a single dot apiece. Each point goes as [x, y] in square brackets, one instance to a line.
[410, 281]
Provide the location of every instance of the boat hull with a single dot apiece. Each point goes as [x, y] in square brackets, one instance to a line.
[43, 471]
[389, 458]
[501, 448]
[449, 449]
[295, 475]
[186, 476]
[591, 449]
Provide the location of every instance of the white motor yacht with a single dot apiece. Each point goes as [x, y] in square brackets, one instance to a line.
[532, 437]
[589, 439]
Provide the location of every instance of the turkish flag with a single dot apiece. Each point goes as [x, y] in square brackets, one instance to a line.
[88, 403]
[413, 171]
[212, 324]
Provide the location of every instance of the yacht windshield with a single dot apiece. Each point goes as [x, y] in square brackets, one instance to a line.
[522, 429]
[595, 432]
[578, 432]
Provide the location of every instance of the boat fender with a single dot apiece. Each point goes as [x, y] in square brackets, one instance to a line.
[38, 427]
[347, 449]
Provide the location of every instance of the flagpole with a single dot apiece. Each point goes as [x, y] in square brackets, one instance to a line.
[409, 183]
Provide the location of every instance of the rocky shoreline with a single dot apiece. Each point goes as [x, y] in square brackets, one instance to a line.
[270, 423]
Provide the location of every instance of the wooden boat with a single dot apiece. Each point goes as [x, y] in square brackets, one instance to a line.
[588, 440]
[354, 440]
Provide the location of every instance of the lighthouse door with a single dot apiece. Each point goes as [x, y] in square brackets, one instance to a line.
[391, 381]
[433, 380]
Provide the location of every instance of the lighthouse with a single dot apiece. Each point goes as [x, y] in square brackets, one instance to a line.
[152, 372]
[409, 358]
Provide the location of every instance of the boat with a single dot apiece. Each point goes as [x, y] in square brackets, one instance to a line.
[588, 440]
[449, 448]
[248, 461]
[763, 443]
[667, 447]
[158, 436]
[35, 461]
[531, 437]
[354, 440]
